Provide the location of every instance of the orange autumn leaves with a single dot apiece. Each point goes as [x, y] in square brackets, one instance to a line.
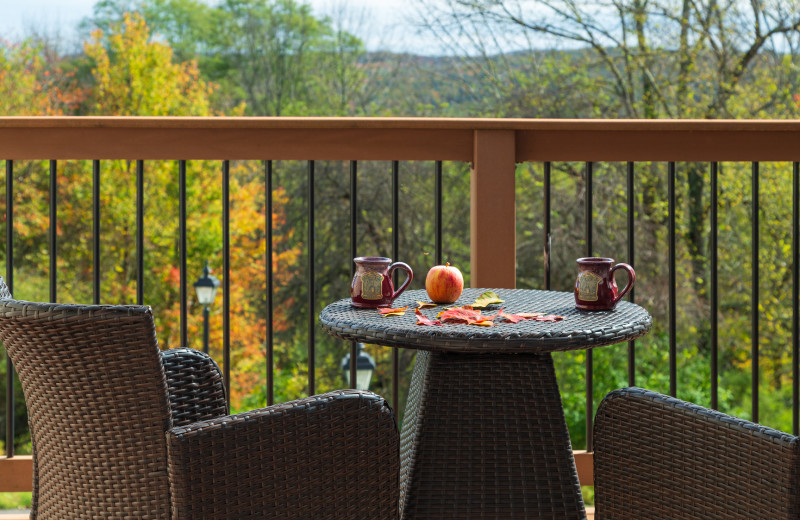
[470, 315]
[393, 312]
[135, 75]
[466, 315]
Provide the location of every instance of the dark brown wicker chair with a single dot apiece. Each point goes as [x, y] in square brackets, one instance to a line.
[122, 430]
[657, 457]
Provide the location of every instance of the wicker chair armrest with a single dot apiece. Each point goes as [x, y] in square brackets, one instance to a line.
[195, 387]
[334, 455]
[659, 457]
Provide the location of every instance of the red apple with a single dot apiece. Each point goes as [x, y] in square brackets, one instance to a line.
[444, 283]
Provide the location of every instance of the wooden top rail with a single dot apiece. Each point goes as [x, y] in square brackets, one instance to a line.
[394, 138]
[444, 123]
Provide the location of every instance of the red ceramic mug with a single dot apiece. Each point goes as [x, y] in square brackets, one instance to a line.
[372, 284]
[596, 288]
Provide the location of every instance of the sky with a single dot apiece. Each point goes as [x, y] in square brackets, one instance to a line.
[390, 27]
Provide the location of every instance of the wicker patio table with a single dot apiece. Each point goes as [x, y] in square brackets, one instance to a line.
[484, 434]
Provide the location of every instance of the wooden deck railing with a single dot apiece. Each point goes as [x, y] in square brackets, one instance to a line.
[493, 147]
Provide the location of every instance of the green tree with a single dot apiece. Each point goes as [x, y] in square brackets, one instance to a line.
[274, 56]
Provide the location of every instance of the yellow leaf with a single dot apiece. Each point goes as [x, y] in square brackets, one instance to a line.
[393, 312]
[486, 299]
[484, 323]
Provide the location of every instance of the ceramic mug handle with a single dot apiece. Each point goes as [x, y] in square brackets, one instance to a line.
[408, 271]
[631, 280]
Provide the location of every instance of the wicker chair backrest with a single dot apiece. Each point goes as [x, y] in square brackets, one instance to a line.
[98, 410]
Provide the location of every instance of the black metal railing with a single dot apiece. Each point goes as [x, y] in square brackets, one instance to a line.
[714, 297]
[588, 222]
[631, 260]
[270, 368]
[140, 234]
[714, 306]
[795, 299]
[10, 407]
[589, 229]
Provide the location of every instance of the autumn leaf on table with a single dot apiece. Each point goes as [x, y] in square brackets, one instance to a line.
[486, 299]
[393, 312]
[450, 309]
[551, 317]
[466, 314]
[426, 305]
[533, 316]
[529, 315]
[513, 318]
[485, 323]
[424, 320]
[459, 315]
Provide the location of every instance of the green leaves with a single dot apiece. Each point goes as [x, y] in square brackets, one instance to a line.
[486, 299]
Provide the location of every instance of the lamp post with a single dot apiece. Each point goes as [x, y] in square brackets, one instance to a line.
[206, 288]
[365, 365]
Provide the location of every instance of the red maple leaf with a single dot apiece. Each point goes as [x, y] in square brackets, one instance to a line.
[424, 320]
[460, 315]
[392, 311]
[465, 314]
[513, 318]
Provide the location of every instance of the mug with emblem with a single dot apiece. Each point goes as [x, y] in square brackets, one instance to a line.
[372, 284]
[596, 288]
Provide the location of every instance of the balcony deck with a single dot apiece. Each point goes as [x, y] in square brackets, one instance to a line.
[493, 147]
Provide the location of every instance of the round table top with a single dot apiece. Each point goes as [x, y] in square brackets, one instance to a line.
[578, 330]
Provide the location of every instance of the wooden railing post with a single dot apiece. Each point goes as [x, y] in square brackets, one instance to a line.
[16, 474]
[493, 210]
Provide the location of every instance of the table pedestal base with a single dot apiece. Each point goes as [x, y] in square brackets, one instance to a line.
[484, 436]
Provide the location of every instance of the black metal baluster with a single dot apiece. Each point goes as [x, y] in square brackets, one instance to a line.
[353, 254]
[10, 407]
[547, 226]
[795, 298]
[672, 305]
[182, 238]
[438, 210]
[96, 228]
[395, 257]
[311, 285]
[631, 260]
[589, 356]
[270, 282]
[754, 293]
[226, 278]
[139, 232]
[714, 290]
[53, 231]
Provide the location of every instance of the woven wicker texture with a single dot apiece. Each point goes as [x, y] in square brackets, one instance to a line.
[657, 457]
[342, 448]
[97, 404]
[580, 329]
[196, 390]
[484, 437]
[412, 422]
[101, 398]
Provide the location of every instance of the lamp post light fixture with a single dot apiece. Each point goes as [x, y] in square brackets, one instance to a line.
[206, 289]
[365, 366]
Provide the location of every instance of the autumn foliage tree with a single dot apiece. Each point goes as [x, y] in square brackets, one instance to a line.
[132, 74]
[636, 58]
